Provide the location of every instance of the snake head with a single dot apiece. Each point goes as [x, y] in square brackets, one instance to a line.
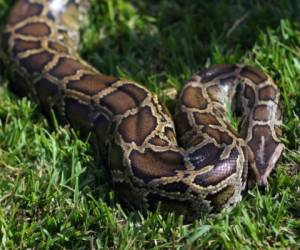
[262, 160]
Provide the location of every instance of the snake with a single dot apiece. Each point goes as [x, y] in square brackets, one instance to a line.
[192, 162]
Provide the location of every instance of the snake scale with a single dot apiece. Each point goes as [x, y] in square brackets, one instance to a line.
[194, 165]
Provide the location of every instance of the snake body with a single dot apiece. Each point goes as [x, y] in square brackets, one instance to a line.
[197, 165]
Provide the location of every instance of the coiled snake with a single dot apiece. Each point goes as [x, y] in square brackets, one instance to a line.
[200, 167]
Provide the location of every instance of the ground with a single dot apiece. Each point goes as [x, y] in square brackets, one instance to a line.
[53, 194]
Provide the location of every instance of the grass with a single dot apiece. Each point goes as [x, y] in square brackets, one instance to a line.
[54, 194]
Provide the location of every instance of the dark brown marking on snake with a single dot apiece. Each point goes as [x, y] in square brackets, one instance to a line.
[135, 92]
[182, 123]
[267, 93]
[66, 67]
[118, 102]
[219, 136]
[220, 198]
[91, 84]
[22, 45]
[22, 10]
[78, 114]
[244, 125]
[34, 29]
[250, 95]
[193, 98]
[263, 113]
[37, 62]
[46, 89]
[215, 71]
[150, 164]
[205, 119]
[101, 126]
[222, 170]
[157, 141]
[136, 128]
[192, 139]
[253, 74]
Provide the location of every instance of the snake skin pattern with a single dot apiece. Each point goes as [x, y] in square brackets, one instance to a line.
[201, 167]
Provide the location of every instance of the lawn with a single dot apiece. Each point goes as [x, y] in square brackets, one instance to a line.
[54, 192]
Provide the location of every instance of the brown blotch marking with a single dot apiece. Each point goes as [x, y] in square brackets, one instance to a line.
[22, 45]
[91, 84]
[118, 102]
[214, 133]
[267, 93]
[135, 128]
[219, 136]
[219, 199]
[22, 10]
[244, 128]
[179, 187]
[215, 71]
[182, 123]
[58, 47]
[253, 74]
[135, 92]
[263, 113]
[262, 157]
[214, 93]
[205, 119]
[192, 139]
[250, 95]
[46, 89]
[150, 164]
[157, 141]
[193, 98]
[78, 114]
[66, 67]
[34, 29]
[222, 170]
[37, 62]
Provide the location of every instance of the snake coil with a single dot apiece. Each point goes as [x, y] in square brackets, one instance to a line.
[200, 167]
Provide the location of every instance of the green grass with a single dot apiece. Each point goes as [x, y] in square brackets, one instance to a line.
[54, 194]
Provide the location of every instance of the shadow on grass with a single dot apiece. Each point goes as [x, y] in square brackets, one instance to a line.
[143, 39]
